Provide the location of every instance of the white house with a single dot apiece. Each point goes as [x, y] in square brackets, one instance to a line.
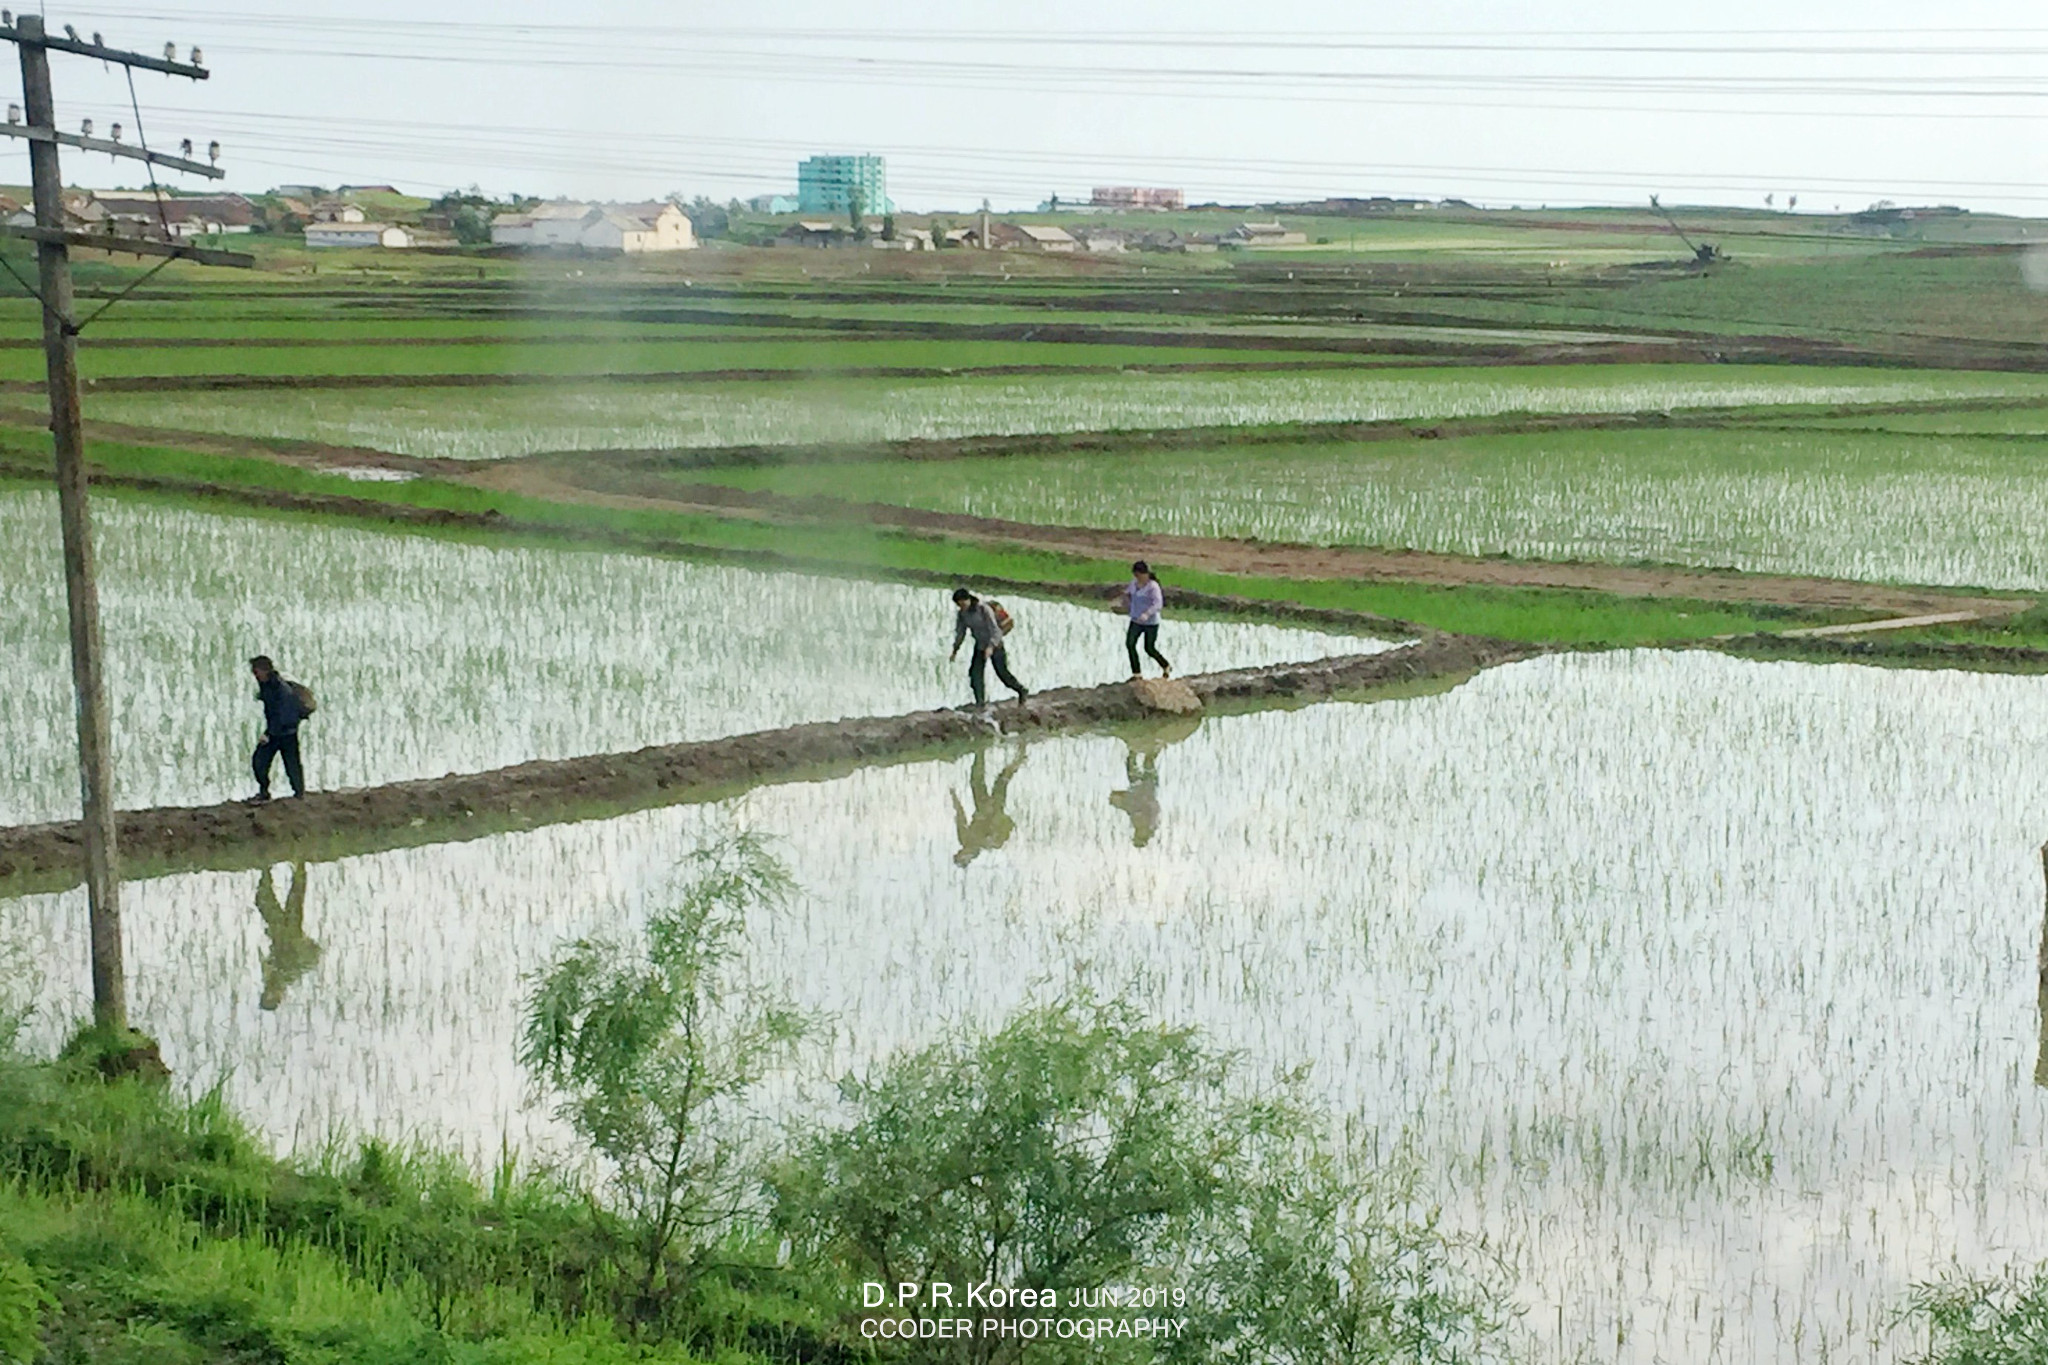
[356, 234]
[596, 227]
[1267, 234]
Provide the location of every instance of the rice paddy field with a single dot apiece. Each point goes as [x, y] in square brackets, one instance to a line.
[493, 424]
[433, 656]
[1700, 992]
[1701, 995]
[1934, 508]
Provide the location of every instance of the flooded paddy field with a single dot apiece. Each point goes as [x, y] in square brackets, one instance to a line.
[1953, 509]
[433, 656]
[1701, 992]
[496, 423]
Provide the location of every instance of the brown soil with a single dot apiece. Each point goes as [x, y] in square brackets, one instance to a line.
[1259, 558]
[530, 794]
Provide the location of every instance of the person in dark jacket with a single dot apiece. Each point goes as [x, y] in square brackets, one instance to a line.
[281, 717]
[976, 618]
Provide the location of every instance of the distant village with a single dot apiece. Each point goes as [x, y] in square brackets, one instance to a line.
[841, 202]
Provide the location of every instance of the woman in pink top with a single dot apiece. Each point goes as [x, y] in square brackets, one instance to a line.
[1144, 597]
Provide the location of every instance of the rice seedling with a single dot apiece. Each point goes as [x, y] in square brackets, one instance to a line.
[1912, 509]
[1701, 992]
[472, 424]
[431, 656]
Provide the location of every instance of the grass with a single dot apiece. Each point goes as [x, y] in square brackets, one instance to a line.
[139, 1229]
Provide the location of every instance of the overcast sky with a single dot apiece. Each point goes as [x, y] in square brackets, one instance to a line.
[1495, 101]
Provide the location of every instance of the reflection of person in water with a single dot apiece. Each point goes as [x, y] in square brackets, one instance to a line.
[990, 826]
[291, 953]
[1140, 797]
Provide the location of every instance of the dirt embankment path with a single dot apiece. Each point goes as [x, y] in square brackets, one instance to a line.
[45, 857]
[624, 489]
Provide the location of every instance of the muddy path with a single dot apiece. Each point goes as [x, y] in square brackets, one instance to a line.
[463, 806]
[1265, 559]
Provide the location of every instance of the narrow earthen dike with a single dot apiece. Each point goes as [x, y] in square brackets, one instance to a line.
[469, 805]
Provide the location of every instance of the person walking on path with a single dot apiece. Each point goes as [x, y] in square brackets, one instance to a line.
[1143, 597]
[977, 618]
[281, 716]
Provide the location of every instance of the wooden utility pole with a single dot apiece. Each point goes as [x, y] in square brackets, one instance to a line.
[88, 679]
[60, 347]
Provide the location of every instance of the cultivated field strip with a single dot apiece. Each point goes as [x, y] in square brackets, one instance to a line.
[1937, 509]
[508, 421]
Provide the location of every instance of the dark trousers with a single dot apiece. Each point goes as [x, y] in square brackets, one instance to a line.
[977, 672]
[1150, 635]
[285, 747]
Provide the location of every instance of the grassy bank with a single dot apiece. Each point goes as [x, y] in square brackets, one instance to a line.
[137, 1227]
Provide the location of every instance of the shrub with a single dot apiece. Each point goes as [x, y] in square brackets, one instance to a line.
[655, 1055]
[23, 1301]
[1985, 1322]
[1081, 1146]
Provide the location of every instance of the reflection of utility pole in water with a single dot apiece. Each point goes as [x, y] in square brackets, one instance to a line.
[990, 826]
[291, 953]
[2041, 988]
[1140, 798]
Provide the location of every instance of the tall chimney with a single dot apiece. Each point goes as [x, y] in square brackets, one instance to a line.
[984, 229]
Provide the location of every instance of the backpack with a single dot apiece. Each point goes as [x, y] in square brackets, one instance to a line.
[1005, 623]
[308, 703]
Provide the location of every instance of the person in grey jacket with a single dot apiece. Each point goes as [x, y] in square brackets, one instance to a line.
[1144, 598]
[975, 617]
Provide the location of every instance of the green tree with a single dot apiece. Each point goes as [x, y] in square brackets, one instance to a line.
[707, 218]
[856, 211]
[655, 1054]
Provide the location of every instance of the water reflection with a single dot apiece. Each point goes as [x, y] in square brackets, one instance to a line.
[1139, 798]
[292, 954]
[990, 826]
